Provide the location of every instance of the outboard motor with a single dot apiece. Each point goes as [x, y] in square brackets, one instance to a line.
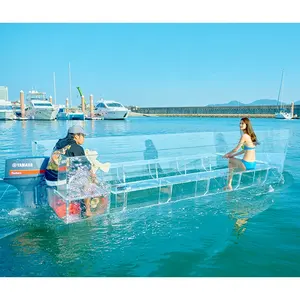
[27, 175]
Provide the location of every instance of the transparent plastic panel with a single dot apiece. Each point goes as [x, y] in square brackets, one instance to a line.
[117, 149]
[79, 192]
[272, 147]
[138, 172]
[183, 191]
[217, 184]
[197, 163]
[246, 179]
[140, 147]
[81, 180]
[202, 187]
[135, 199]
[69, 212]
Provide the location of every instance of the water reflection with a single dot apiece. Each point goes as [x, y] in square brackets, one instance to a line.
[115, 126]
[245, 204]
[6, 124]
[63, 244]
[93, 126]
[23, 124]
[166, 240]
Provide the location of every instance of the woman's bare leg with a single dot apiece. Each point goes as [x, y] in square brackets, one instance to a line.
[233, 164]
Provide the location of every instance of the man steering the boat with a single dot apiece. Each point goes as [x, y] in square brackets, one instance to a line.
[69, 146]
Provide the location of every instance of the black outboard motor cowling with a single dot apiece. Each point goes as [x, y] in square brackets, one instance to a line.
[27, 175]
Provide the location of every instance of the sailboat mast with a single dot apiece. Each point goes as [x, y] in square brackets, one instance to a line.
[54, 87]
[279, 93]
[70, 89]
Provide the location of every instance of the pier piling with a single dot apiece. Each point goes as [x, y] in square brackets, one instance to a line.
[22, 105]
[82, 104]
[91, 106]
[67, 104]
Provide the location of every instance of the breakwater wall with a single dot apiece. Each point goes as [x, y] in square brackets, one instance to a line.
[260, 111]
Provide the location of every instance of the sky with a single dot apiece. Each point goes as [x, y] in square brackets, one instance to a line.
[152, 64]
[192, 53]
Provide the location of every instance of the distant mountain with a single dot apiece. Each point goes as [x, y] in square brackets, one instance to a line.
[265, 102]
[256, 102]
[231, 103]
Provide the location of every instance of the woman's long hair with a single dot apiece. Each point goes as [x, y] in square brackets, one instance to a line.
[249, 130]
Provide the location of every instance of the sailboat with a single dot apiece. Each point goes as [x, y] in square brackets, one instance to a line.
[64, 112]
[282, 113]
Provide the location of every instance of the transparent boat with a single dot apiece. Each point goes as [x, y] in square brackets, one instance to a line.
[150, 170]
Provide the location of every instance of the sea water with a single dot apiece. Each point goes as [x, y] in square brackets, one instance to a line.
[247, 233]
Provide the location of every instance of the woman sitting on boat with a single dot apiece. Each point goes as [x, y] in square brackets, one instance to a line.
[248, 143]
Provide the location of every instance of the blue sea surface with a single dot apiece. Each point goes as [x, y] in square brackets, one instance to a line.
[230, 234]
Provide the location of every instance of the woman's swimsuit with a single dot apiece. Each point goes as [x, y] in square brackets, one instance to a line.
[249, 165]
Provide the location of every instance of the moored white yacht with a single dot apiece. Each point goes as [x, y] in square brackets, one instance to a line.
[39, 108]
[283, 115]
[6, 110]
[111, 110]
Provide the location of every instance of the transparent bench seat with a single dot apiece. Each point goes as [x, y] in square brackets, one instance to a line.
[186, 186]
[177, 179]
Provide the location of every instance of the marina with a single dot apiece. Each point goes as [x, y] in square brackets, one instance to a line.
[40, 108]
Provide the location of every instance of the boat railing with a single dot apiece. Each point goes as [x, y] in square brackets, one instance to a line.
[120, 149]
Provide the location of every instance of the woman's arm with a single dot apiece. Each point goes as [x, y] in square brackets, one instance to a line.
[239, 145]
[239, 153]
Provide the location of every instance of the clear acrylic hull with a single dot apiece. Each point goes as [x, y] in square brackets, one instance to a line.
[156, 169]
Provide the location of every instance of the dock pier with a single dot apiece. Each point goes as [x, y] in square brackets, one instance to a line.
[257, 111]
